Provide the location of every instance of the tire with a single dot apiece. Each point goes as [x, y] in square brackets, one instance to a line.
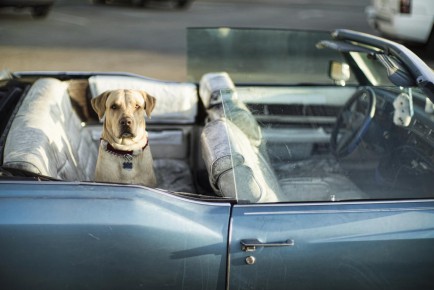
[138, 3]
[183, 4]
[40, 11]
[98, 2]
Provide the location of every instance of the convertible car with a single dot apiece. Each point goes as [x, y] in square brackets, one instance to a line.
[287, 160]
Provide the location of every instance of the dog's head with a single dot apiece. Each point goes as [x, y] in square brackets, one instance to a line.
[124, 112]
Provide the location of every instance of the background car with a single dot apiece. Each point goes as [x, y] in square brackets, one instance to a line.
[290, 159]
[407, 20]
[39, 8]
[178, 3]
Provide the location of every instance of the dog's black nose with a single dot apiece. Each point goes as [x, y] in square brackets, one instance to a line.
[127, 121]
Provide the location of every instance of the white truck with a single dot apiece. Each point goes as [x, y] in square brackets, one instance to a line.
[407, 20]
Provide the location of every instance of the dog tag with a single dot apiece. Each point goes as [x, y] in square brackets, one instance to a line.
[128, 164]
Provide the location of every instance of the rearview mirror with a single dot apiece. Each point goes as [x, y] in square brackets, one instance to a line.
[339, 72]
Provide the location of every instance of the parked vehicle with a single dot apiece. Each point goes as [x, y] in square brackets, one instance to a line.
[181, 4]
[407, 20]
[39, 8]
[289, 160]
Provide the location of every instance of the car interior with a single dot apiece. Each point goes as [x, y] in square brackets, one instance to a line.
[254, 144]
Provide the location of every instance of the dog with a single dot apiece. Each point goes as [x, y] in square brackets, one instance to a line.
[124, 154]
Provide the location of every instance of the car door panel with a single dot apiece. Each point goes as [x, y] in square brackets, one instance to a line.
[382, 245]
[109, 237]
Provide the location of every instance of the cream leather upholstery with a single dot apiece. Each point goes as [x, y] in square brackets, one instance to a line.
[46, 136]
[176, 102]
[236, 168]
[236, 156]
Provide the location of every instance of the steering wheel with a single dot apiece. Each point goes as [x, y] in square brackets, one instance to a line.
[353, 122]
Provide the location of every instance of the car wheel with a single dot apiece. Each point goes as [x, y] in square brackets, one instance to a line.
[98, 2]
[40, 11]
[183, 4]
[137, 3]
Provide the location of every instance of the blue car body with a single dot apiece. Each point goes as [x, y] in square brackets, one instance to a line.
[234, 225]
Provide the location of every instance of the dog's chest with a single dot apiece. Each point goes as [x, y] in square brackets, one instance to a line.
[125, 167]
[115, 166]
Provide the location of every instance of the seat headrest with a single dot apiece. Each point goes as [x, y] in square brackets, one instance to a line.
[212, 84]
[176, 102]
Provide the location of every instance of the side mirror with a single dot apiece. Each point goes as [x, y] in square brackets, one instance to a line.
[339, 72]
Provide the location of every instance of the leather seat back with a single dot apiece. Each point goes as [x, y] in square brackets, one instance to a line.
[236, 168]
[47, 137]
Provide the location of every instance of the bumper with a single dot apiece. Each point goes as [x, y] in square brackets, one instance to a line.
[412, 28]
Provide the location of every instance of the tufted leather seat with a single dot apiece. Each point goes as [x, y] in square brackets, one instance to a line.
[236, 168]
[236, 156]
[47, 138]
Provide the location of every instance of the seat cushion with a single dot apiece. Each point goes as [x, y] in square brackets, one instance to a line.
[316, 179]
[174, 175]
[331, 187]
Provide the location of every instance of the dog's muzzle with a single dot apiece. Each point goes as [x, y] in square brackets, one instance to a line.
[126, 125]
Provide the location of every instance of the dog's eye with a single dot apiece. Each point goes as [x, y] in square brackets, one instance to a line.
[137, 107]
[114, 107]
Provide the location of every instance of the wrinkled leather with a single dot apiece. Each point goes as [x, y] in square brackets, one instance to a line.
[46, 136]
[216, 150]
[174, 175]
[219, 95]
[211, 85]
[237, 112]
[246, 176]
[176, 102]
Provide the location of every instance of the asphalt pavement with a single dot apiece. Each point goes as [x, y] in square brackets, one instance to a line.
[80, 36]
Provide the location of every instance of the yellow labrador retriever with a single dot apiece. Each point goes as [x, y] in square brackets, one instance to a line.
[124, 154]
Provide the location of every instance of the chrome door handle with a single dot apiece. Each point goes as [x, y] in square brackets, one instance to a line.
[250, 245]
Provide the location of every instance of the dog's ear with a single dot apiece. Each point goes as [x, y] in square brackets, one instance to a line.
[149, 103]
[98, 104]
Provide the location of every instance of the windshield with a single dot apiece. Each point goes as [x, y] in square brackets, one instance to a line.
[260, 55]
[281, 57]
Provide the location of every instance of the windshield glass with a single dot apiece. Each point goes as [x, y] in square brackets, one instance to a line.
[261, 55]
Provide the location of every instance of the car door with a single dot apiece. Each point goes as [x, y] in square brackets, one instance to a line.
[87, 236]
[349, 245]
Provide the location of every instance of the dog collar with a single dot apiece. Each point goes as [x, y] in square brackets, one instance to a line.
[126, 155]
[122, 153]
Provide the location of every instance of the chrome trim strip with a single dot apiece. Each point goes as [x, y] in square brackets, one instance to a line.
[339, 211]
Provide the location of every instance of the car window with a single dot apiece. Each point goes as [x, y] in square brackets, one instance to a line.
[282, 144]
